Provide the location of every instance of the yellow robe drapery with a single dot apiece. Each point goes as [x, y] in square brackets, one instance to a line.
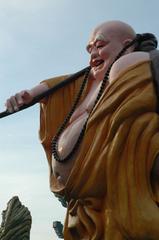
[109, 190]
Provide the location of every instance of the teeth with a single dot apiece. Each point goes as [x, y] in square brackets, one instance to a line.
[97, 63]
[101, 62]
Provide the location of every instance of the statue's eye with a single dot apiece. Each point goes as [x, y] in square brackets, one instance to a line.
[99, 46]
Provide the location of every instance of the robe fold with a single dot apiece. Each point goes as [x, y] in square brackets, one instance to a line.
[109, 190]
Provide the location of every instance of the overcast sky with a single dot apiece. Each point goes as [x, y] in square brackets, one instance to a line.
[40, 39]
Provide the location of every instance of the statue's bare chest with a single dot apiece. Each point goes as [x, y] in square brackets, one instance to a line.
[70, 135]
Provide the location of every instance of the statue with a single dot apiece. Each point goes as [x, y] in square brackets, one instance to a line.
[100, 134]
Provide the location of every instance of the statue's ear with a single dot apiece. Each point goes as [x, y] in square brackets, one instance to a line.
[126, 42]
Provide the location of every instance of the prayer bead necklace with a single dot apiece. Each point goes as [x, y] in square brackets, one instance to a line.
[54, 143]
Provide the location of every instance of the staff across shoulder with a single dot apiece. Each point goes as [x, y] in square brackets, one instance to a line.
[105, 43]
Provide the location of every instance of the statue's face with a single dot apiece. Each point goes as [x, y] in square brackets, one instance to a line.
[103, 49]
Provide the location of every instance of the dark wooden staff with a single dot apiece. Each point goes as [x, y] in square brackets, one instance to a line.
[68, 80]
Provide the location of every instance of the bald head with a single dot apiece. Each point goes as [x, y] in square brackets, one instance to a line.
[117, 29]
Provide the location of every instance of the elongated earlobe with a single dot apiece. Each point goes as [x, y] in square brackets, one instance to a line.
[126, 42]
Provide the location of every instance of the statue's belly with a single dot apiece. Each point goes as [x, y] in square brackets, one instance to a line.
[65, 145]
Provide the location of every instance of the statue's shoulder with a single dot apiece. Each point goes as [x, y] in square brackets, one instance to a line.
[127, 61]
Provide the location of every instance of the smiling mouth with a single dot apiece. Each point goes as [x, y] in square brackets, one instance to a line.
[97, 63]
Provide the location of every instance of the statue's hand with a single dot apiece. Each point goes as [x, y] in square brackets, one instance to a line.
[16, 101]
[24, 97]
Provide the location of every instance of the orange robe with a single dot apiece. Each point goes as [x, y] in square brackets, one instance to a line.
[109, 192]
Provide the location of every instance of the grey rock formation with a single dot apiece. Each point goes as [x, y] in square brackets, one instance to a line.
[16, 221]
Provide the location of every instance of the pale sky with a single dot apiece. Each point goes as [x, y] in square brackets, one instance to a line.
[40, 39]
